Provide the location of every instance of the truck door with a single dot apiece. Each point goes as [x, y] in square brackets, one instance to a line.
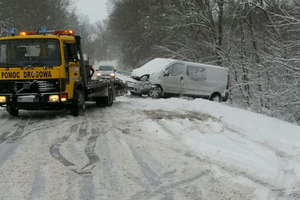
[72, 67]
[173, 78]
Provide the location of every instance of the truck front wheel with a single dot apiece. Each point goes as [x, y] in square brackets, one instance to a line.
[12, 110]
[79, 103]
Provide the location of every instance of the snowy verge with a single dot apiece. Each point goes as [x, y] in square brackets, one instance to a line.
[265, 150]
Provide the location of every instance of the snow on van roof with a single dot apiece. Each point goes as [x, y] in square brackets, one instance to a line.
[157, 64]
[153, 66]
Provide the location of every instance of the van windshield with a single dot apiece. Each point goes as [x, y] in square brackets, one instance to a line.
[29, 52]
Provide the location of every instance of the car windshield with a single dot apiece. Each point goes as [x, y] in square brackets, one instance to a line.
[29, 52]
[106, 68]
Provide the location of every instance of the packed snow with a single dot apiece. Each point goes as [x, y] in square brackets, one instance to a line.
[153, 66]
[143, 148]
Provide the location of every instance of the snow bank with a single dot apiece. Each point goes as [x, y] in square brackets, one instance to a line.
[263, 149]
[281, 134]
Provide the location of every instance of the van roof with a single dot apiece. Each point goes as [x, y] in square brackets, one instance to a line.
[157, 64]
[204, 65]
[153, 66]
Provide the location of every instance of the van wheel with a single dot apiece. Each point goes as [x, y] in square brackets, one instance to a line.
[12, 110]
[156, 92]
[216, 97]
[79, 106]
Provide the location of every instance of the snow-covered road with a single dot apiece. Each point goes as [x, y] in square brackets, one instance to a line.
[145, 149]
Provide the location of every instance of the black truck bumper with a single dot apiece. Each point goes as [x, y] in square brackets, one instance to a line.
[32, 101]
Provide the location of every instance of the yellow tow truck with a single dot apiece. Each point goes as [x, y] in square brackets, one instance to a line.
[46, 70]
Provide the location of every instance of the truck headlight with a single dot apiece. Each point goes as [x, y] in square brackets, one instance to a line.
[54, 98]
[2, 99]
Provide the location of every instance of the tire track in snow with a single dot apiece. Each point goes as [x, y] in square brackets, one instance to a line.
[3, 137]
[110, 178]
[83, 129]
[87, 190]
[55, 151]
[282, 159]
[12, 142]
[223, 166]
[39, 185]
[177, 138]
[6, 151]
[4, 119]
[55, 148]
[41, 126]
[41, 174]
[90, 149]
[158, 184]
[166, 190]
[18, 133]
[152, 177]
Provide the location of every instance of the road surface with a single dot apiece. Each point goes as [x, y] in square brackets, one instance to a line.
[120, 152]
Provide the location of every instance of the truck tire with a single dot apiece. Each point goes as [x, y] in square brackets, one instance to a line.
[100, 101]
[12, 110]
[106, 101]
[109, 100]
[79, 103]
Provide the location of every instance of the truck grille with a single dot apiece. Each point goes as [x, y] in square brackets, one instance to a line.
[47, 86]
[29, 86]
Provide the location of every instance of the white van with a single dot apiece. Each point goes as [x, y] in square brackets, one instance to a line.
[177, 77]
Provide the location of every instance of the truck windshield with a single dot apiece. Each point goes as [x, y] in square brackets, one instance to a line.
[29, 52]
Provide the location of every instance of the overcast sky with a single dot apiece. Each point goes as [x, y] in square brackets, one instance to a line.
[95, 9]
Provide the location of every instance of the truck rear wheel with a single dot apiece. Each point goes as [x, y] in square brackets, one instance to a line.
[100, 101]
[106, 101]
[79, 103]
[110, 98]
[12, 110]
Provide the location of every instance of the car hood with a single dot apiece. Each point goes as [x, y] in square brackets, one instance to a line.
[154, 78]
[153, 66]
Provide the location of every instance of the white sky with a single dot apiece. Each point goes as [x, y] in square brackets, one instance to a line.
[95, 9]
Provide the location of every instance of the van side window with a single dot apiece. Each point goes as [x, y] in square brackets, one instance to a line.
[196, 73]
[176, 69]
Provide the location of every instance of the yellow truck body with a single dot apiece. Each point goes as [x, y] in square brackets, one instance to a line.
[46, 71]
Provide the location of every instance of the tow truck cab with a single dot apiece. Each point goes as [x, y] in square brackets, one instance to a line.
[41, 71]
